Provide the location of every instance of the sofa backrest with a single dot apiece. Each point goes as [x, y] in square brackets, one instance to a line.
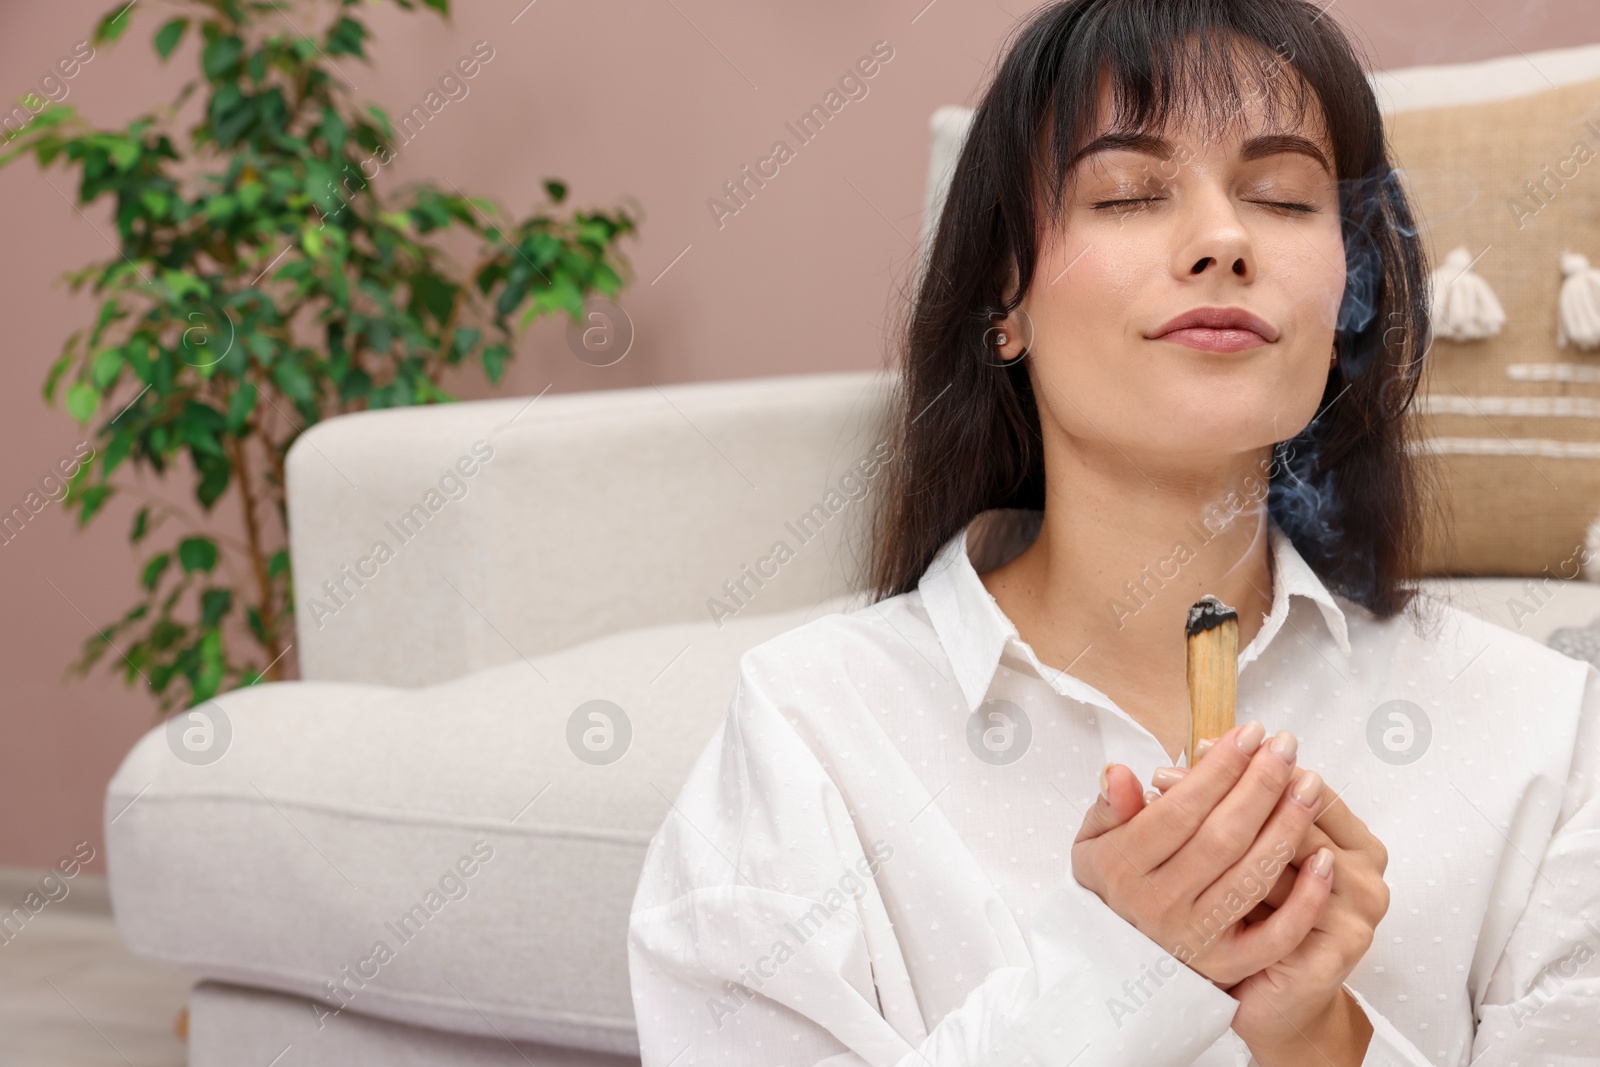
[583, 514]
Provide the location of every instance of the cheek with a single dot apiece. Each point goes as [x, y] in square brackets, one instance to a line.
[1310, 266]
[1315, 292]
[1087, 293]
[1087, 306]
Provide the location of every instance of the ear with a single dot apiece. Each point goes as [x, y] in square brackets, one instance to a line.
[1009, 336]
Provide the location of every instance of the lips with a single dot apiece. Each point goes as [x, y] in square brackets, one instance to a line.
[1220, 318]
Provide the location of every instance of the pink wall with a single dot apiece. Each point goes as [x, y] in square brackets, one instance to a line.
[658, 100]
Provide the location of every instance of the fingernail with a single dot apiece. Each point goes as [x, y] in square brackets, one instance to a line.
[1284, 746]
[1167, 777]
[1202, 747]
[1151, 796]
[1249, 739]
[1321, 864]
[1105, 784]
[1308, 789]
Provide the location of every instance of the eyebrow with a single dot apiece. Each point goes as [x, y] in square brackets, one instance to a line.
[1258, 147]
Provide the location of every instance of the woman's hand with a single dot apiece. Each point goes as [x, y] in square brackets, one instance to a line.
[1295, 1010]
[1186, 869]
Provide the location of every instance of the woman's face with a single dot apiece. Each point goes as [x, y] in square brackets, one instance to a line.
[1153, 230]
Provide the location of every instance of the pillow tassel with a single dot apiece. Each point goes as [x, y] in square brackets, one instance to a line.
[1579, 320]
[1464, 306]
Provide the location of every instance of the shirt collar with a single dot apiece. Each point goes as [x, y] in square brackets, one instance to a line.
[975, 632]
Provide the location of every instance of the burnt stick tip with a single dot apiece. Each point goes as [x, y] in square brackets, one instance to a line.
[1207, 614]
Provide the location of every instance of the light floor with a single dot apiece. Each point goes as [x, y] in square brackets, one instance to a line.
[72, 996]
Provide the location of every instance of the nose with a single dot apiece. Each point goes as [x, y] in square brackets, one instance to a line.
[1215, 239]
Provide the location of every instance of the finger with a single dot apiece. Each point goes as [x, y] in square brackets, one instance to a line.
[1120, 799]
[1165, 778]
[1314, 839]
[1247, 949]
[1255, 874]
[1342, 906]
[1186, 806]
[1232, 833]
[1346, 830]
[1279, 893]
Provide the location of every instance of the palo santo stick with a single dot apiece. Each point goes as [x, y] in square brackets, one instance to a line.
[1211, 639]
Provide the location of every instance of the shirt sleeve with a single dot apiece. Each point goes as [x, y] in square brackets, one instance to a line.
[757, 935]
[1542, 1002]
[1388, 1047]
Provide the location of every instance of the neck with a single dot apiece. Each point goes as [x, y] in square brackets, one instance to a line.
[1125, 559]
[1126, 547]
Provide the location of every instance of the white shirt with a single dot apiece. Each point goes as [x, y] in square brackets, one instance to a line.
[843, 881]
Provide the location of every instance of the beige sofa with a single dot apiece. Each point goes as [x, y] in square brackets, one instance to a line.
[499, 706]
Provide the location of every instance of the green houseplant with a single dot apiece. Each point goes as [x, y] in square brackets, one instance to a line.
[261, 284]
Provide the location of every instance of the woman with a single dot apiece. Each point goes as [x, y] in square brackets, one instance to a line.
[1163, 346]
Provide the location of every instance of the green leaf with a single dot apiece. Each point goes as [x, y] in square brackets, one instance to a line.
[81, 401]
[557, 190]
[197, 554]
[356, 384]
[292, 378]
[381, 117]
[89, 502]
[494, 361]
[141, 525]
[154, 569]
[220, 207]
[345, 38]
[220, 54]
[606, 280]
[112, 25]
[155, 202]
[116, 451]
[124, 154]
[465, 337]
[106, 367]
[250, 194]
[208, 679]
[240, 405]
[168, 36]
[214, 604]
[214, 474]
[68, 351]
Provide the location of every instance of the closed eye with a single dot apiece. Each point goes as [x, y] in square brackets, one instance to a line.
[1294, 206]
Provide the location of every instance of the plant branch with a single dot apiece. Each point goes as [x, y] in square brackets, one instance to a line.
[258, 561]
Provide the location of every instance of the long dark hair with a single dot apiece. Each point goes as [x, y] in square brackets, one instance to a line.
[966, 425]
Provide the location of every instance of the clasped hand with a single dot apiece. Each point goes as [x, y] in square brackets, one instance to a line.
[1243, 871]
